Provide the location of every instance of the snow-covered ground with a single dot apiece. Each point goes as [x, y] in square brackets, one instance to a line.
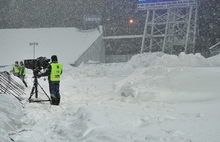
[152, 98]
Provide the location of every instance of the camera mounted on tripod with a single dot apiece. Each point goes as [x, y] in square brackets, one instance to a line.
[37, 65]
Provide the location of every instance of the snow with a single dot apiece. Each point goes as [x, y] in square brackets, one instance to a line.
[154, 97]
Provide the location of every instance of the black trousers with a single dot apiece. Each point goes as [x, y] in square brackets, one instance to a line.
[54, 92]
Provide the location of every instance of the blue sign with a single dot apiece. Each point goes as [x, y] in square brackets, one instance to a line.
[92, 19]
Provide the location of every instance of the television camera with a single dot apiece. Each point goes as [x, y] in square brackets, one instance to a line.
[37, 65]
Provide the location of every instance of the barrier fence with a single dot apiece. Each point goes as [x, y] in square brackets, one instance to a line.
[10, 87]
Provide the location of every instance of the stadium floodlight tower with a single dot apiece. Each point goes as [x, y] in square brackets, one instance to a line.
[170, 25]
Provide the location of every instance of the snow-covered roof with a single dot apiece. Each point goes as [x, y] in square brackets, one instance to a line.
[67, 43]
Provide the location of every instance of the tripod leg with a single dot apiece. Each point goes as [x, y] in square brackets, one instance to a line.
[34, 89]
[32, 93]
[44, 92]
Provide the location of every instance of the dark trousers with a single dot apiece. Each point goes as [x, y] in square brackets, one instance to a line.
[22, 78]
[54, 92]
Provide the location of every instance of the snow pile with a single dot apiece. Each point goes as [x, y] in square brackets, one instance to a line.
[214, 61]
[142, 60]
[175, 84]
[11, 116]
[176, 76]
[188, 60]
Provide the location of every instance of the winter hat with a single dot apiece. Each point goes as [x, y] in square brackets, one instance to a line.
[54, 58]
[21, 63]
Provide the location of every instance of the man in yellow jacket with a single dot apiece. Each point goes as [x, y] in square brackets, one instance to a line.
[54, 72]
[16, 69]
[22, 73]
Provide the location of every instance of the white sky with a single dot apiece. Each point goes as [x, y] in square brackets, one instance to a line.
[151, 98]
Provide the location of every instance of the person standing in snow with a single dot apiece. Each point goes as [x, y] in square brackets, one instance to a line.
[16, 69]
[22, 73]
[54, 72]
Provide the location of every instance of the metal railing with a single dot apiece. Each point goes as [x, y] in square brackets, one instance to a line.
[10, 87]
[215, 49]
[167, 4]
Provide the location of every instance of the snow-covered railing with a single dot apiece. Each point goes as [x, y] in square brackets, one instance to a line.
[10, 86]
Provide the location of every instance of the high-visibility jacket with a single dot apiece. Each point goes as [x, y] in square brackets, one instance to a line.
[56, 71]
[23, 71]
[16, 69]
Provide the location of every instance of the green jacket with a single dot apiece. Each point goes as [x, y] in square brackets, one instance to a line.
[16, 69]
[23, 71]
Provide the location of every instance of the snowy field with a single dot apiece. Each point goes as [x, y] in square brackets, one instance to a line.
[152, 98]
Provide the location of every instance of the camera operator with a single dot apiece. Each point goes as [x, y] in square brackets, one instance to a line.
[54, 72]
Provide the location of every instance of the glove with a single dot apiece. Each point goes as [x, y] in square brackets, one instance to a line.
[39, 75]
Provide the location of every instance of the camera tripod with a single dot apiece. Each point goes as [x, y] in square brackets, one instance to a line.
[35, 91]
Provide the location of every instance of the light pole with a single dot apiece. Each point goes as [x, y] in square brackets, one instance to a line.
[33, 44]
[131, 22]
